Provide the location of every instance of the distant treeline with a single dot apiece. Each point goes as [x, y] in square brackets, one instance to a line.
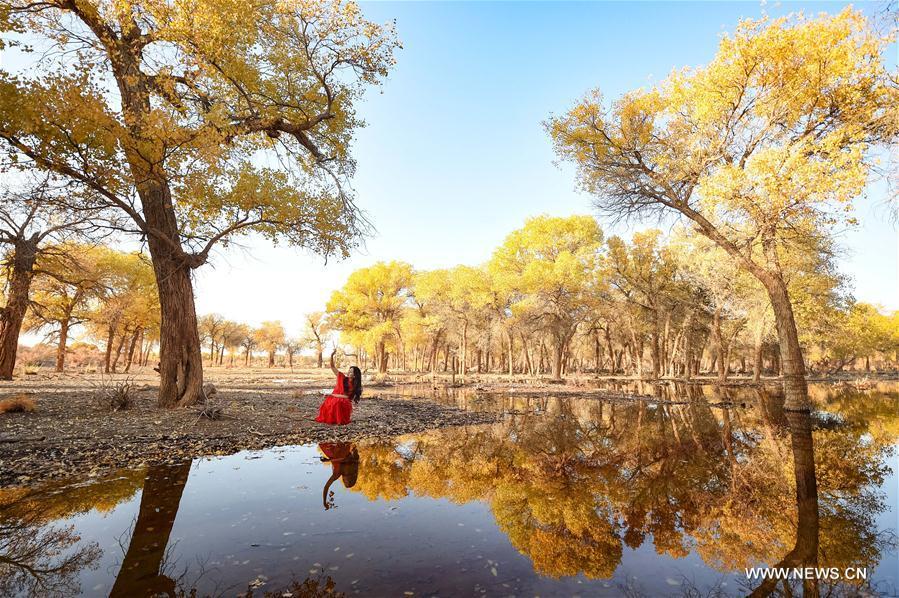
[557, 297]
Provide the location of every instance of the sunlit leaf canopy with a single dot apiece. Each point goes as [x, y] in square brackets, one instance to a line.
[369, 306]
[250, 108]
[547, 266]
[773, 136]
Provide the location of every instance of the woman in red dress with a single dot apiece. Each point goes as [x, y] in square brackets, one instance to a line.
[338, 406]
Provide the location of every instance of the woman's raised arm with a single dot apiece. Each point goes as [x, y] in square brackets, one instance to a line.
[333, 367]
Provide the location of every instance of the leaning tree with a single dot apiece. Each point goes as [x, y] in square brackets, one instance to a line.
[763, 149]
[200, 120]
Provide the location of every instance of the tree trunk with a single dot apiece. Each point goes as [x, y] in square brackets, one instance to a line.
[320, 359]
[382, 357]
[775, 358]
[180, 357]
[131, 347]
[12, 316]
[637, 355]
[792, 363]
[463, 364]
[511, 360]
[721, 350]
[180, 361]
[558, 348]
[271, 358]
[118, 350]
[757, 359]
[61, 346]
[656, 351]
[140, 348]
[608, 335]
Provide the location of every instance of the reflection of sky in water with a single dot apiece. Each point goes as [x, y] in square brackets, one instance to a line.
[888, 570]
[258, 517]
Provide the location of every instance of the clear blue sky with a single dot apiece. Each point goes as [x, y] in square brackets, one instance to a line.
[454, 156]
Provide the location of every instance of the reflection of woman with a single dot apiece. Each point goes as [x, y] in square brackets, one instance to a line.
[338, 407]
[344, 459]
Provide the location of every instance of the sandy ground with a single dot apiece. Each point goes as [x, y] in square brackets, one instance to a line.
[72, 432]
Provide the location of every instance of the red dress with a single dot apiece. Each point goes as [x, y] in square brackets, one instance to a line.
[337, 407]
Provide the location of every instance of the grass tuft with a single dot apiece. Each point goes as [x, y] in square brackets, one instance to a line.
[18, 404]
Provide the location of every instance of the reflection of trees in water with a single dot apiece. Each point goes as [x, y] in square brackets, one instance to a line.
[143, 571]
[569, 490]
[41, 558]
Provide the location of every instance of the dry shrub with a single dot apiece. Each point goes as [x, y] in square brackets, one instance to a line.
[209, 393]
[211, 412]
[18, 404]
[115, 396]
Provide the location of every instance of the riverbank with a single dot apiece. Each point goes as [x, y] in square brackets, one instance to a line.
[72, 431]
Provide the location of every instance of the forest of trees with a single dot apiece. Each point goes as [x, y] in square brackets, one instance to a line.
[150, 121]
[104, 295]
[557, 297]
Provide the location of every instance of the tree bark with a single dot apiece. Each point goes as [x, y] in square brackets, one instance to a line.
[12, 316]
[721, 350]
[511, 360]
[382, 357]
[792, 363]
[131, 347]
[118, 351]
[558, 349]
[656, 351]
[757, 361]
[61, 346]
[463, 365]
[608, 334]
[180, 360]
[107, 358]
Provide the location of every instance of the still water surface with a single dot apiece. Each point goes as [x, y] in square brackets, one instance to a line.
[564, 497]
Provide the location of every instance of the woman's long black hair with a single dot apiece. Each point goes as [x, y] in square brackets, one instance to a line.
[355, 384]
